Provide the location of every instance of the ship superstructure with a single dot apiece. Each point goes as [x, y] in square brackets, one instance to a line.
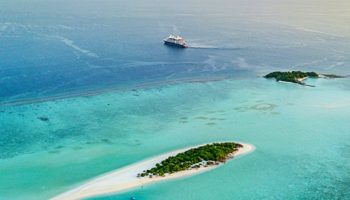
[175, 40]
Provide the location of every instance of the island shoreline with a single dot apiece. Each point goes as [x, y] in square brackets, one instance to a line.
[125, 178]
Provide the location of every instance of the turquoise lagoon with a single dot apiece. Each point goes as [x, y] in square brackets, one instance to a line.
[301, 135]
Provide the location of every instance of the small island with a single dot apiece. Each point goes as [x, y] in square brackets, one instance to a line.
[175, 164]
[291, 76]
[203, 156]
[298, 77]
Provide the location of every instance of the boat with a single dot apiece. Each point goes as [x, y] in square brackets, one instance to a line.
[175, 40]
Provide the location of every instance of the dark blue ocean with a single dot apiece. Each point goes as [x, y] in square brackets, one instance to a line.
[57, 47]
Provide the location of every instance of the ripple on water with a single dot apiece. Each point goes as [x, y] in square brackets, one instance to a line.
[257, 107]
[201, 117]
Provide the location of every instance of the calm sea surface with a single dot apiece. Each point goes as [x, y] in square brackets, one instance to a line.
[87, 87]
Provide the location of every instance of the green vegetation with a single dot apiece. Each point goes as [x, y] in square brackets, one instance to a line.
[210, 154]
[292, 76]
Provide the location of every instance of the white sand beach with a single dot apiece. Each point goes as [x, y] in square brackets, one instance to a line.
[126, 177]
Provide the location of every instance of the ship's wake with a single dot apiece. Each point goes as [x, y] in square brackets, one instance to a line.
[216, 48]
[199, 46]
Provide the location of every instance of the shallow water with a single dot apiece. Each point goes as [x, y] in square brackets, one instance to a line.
[131, 98]
[302, 152]
[302, 144]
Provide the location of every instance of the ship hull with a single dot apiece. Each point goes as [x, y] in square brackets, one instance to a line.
[175, 45]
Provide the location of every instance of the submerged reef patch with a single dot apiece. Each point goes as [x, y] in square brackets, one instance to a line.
[264, 106]
[43, 118]
[257, 107]
[201, 117]
[106, 141]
